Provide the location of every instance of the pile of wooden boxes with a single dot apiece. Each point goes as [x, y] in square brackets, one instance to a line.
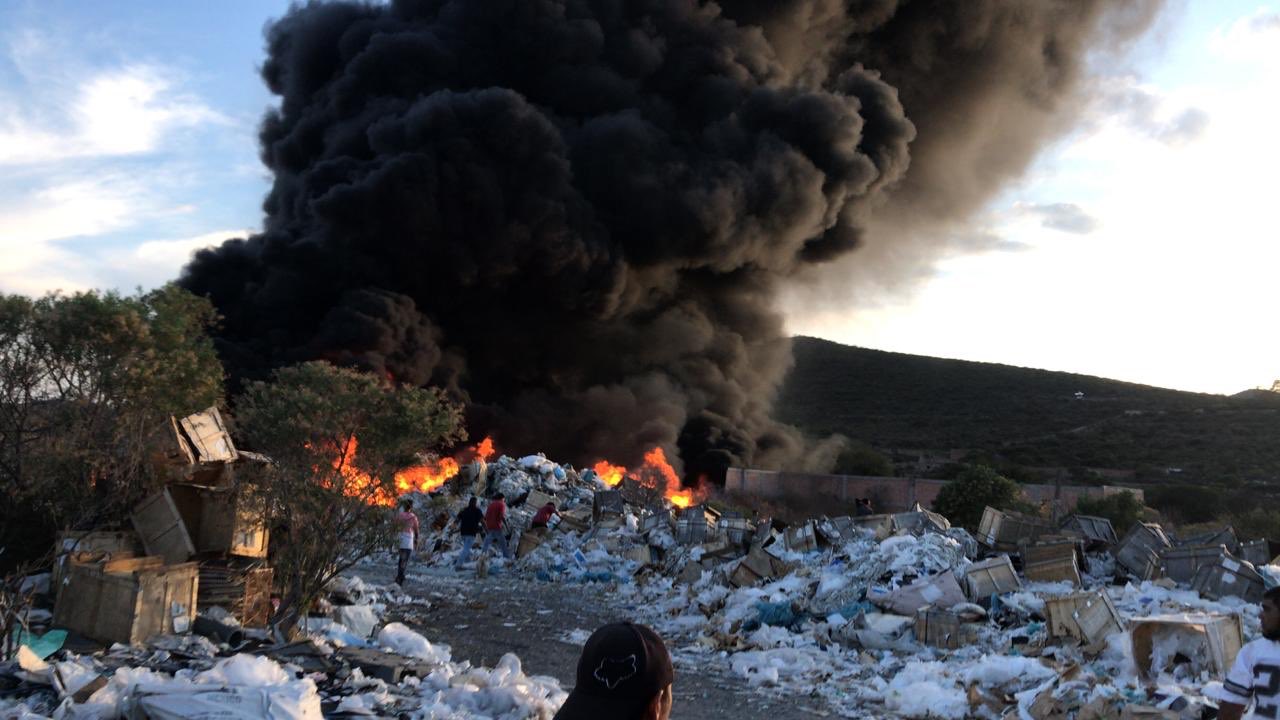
[193, 545]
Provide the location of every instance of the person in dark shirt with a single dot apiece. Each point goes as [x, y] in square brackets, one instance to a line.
[469, 522]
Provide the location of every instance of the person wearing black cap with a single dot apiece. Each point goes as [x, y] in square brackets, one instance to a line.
[625, 673]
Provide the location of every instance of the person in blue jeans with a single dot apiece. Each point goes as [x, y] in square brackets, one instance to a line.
[495, 526]
[469, 522]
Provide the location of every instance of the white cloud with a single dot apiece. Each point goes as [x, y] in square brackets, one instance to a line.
[156, 261]
[127, 111]
[1254, 37]
[1144, 110]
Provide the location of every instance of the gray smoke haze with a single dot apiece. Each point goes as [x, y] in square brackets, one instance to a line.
[578, 215]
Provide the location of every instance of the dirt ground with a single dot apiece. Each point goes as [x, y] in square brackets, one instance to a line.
[484, 619]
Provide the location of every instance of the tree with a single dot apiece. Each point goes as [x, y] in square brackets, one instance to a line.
[861, 459]
[336, 438]
[85, 382]
[1122, 509]
[962, 500]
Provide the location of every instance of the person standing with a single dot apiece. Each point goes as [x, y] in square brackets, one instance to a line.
[495, 519]
[407, 524]
[469, 522]
[1255, 675]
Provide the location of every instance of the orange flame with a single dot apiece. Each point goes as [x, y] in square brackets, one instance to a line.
[656, 461]
[484, 450]
[428, 476]
[656, 472]
[610, 474]
[355, 482]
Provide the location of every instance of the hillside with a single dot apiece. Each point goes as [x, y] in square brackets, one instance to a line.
[1031, 417]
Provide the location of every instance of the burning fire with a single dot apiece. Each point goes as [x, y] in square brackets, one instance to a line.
[484, 449]
[656, 472]
[610, 474]
[356, 482]
[421, 478]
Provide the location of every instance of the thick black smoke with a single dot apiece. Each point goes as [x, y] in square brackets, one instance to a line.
[578, 213]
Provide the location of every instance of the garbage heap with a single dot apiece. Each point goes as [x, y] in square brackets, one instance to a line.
[902, 614]
[357, 657]
[193, 545]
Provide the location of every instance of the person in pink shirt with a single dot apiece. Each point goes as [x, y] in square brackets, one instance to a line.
[407, 527]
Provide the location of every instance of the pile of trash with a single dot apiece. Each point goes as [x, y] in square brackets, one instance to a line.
[896, 614]
[354, 662]
[901, 613]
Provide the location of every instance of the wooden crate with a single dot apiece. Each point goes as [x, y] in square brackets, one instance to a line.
[1229, 577]
[881, 526]
[801, 538]
[162, 530]
[1053, 570]
[245, 591]
[1181, 563]
[90, 547]
[990, 577]
[1089, 617]
[943, 629]
[695, 525]
[1097, 531]
[1259, 552]
[1139, 552]
[1006, 530]
[607, 502]
[1222, 636]
[128, 601]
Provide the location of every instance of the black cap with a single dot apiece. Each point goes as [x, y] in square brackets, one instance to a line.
[623, 666]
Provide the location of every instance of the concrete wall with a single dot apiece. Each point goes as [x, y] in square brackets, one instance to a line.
[889, 494]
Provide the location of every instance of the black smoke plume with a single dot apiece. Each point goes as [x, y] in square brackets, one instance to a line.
[578, 214]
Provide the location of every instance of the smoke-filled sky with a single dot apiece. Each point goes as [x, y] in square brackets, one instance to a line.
[1100, 211]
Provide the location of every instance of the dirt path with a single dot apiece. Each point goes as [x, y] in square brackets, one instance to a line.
[484, 619]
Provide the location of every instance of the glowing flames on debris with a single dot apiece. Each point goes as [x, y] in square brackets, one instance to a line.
[418, 478]
[610, 474]
[655, 473]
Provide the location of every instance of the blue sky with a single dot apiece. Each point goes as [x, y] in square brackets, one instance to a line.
[127, 137]
[1144, 243]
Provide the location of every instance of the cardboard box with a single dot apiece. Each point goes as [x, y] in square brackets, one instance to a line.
[1215, 638]
[941, 591]
[220, 521]
[128, 601]
[537, 499]
[1089, 617]
[990, 577]
[529, 541]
